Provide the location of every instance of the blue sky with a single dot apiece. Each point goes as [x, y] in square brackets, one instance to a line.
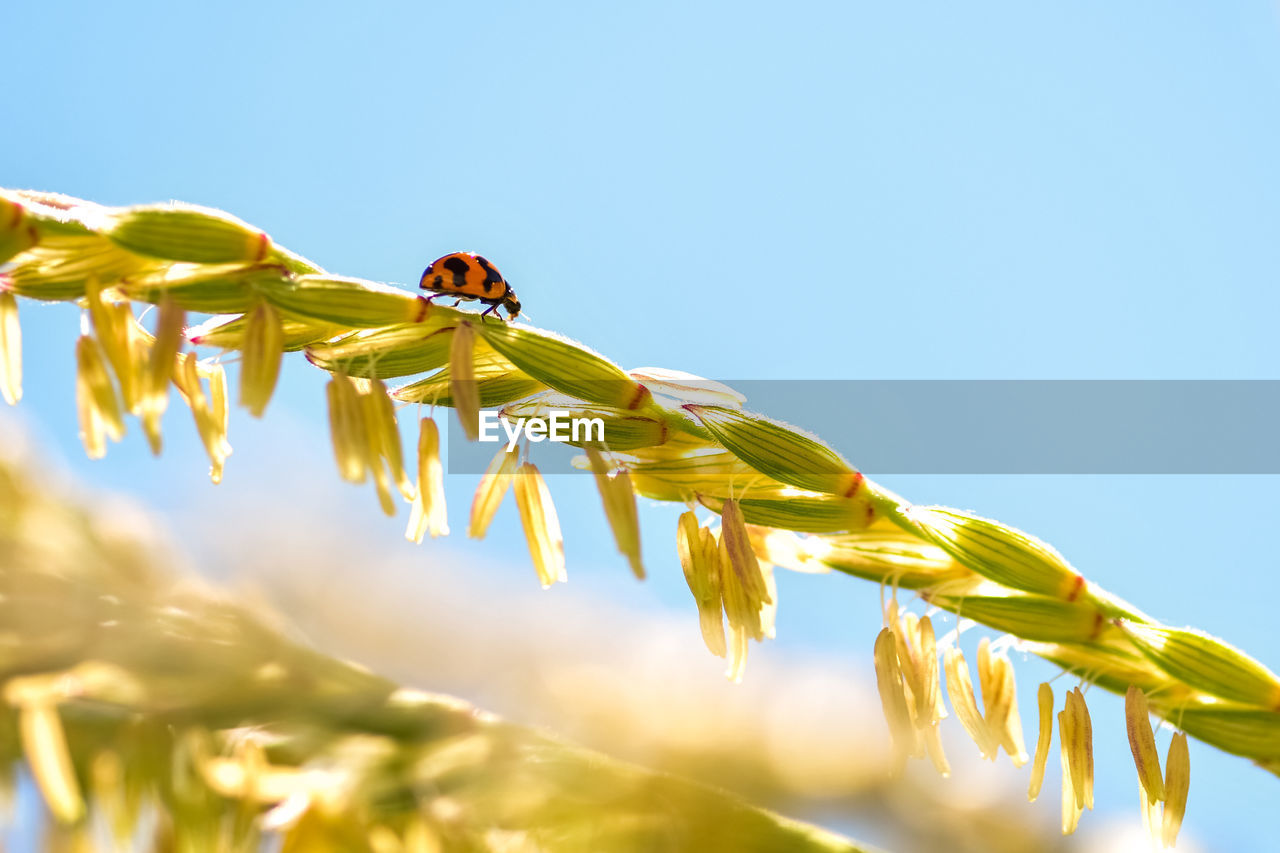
[749, 191]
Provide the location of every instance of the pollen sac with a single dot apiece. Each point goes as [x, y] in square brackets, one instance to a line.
[347, 428]
[96, 400]
[960, 689]
[219, 409]
[1177, 782]
[1044, 699]
[619, 501]
[926, 690]
[1000, 702]
[700, 559]
[383, 441]
[462, 380]
[383, 413]
[111, 323]
[1075, 731]
[743, 584]
[159, 366]
[1142, 742]
[262, 355]
[209, 410]
[893, 699]
[428, 512]
[45, 745]
[541, 525]
[912, 663]
[366, 440]
[1071, 808]
[489, 494]
[10, 349]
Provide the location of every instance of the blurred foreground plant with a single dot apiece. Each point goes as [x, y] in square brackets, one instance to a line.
[153, 715]
[783, 497]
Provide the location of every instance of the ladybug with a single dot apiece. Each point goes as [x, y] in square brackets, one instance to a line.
[467, 275]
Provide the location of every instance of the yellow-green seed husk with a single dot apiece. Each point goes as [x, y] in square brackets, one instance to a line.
[1206, 663]
[566, 366]
[998, 552]
[217, 289]
[497, 380]
[1032, 617]
[229, 333]
[350, 302]
[887, 554]
[782, 452]
[59, 267]
[17, 233]
[802, 513]
[385, 353]
[186, 233]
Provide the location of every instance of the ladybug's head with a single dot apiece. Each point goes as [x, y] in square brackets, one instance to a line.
[511, 303]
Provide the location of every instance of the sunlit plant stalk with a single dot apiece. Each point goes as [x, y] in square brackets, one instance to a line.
[785, 498]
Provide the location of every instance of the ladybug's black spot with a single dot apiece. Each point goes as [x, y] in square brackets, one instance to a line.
[459, 268]
[492, 279]
[437, 282]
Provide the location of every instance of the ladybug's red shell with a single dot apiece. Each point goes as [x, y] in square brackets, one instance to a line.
[467, 275]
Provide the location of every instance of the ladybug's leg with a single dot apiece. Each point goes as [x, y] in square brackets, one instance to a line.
[457, 302]
[486, 312]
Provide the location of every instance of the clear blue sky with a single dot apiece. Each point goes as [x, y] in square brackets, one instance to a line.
[814, 190]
